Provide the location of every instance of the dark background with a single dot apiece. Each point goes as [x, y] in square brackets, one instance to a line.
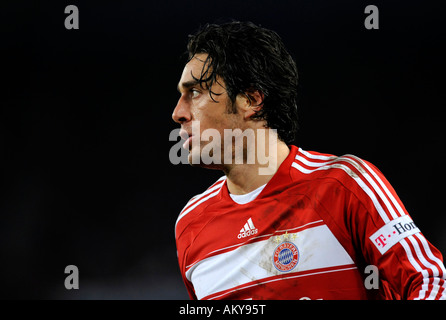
[86, 116]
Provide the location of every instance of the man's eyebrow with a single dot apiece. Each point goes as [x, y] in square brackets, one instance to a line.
[187, 84]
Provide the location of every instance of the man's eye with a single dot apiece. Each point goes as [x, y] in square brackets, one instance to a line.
[195, 93]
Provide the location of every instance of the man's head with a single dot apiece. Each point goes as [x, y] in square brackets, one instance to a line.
[238, 75]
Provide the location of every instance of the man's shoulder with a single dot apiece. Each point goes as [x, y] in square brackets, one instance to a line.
[347, 173]
[199, 201]
[316, 165]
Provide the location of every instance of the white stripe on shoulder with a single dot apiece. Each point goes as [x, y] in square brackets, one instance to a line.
[202, 197]
[381, 183]
[318, 157]
[213, 187]
[336, 162]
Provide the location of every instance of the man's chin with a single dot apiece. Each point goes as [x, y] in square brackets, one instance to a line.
[195, 160]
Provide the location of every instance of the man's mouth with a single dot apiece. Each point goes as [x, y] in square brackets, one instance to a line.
[187, 137]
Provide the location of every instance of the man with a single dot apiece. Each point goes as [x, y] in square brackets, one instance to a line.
[307, 226]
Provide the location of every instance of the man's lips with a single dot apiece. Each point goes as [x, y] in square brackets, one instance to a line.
[186, 136]
[187, 143]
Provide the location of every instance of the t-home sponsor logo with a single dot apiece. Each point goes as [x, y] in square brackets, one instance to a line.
[393, 232]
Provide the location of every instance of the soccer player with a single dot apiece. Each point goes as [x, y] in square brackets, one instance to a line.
[282, 222]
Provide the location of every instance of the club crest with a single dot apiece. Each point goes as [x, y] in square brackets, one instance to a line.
[285, 256]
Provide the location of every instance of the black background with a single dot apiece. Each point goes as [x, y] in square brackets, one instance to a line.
[86, 116]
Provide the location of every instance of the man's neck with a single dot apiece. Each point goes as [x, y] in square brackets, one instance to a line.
[244, 178]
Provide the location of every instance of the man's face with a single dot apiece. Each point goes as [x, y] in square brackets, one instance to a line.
[195, 104]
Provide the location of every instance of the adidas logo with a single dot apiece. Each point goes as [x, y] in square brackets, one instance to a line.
[247, 230]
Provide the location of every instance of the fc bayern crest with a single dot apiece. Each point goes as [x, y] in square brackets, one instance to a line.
[286, 256]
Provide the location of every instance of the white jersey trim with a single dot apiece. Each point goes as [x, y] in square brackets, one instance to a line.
[248, 197]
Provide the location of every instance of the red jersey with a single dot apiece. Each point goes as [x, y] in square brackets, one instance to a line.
[309, 234]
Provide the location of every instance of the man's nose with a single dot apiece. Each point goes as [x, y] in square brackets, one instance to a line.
[182, 113]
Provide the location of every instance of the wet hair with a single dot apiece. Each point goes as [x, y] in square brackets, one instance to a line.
[248, 58]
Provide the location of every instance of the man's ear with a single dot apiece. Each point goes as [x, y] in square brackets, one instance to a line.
[253, 102]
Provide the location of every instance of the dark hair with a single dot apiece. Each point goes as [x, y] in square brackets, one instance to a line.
[248, 58]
